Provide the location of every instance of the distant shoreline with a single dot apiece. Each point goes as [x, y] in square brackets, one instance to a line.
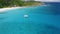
[11, 8]
[5, 9]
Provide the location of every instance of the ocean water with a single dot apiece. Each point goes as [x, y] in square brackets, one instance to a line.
[43, 19]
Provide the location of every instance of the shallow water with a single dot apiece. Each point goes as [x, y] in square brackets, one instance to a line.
[40, 20]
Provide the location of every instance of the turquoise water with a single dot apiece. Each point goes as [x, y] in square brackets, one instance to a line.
[40, 20]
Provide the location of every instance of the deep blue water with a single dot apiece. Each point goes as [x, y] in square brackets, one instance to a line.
[40, 20]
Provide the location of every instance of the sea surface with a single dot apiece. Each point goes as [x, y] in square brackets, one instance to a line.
[44, 19]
